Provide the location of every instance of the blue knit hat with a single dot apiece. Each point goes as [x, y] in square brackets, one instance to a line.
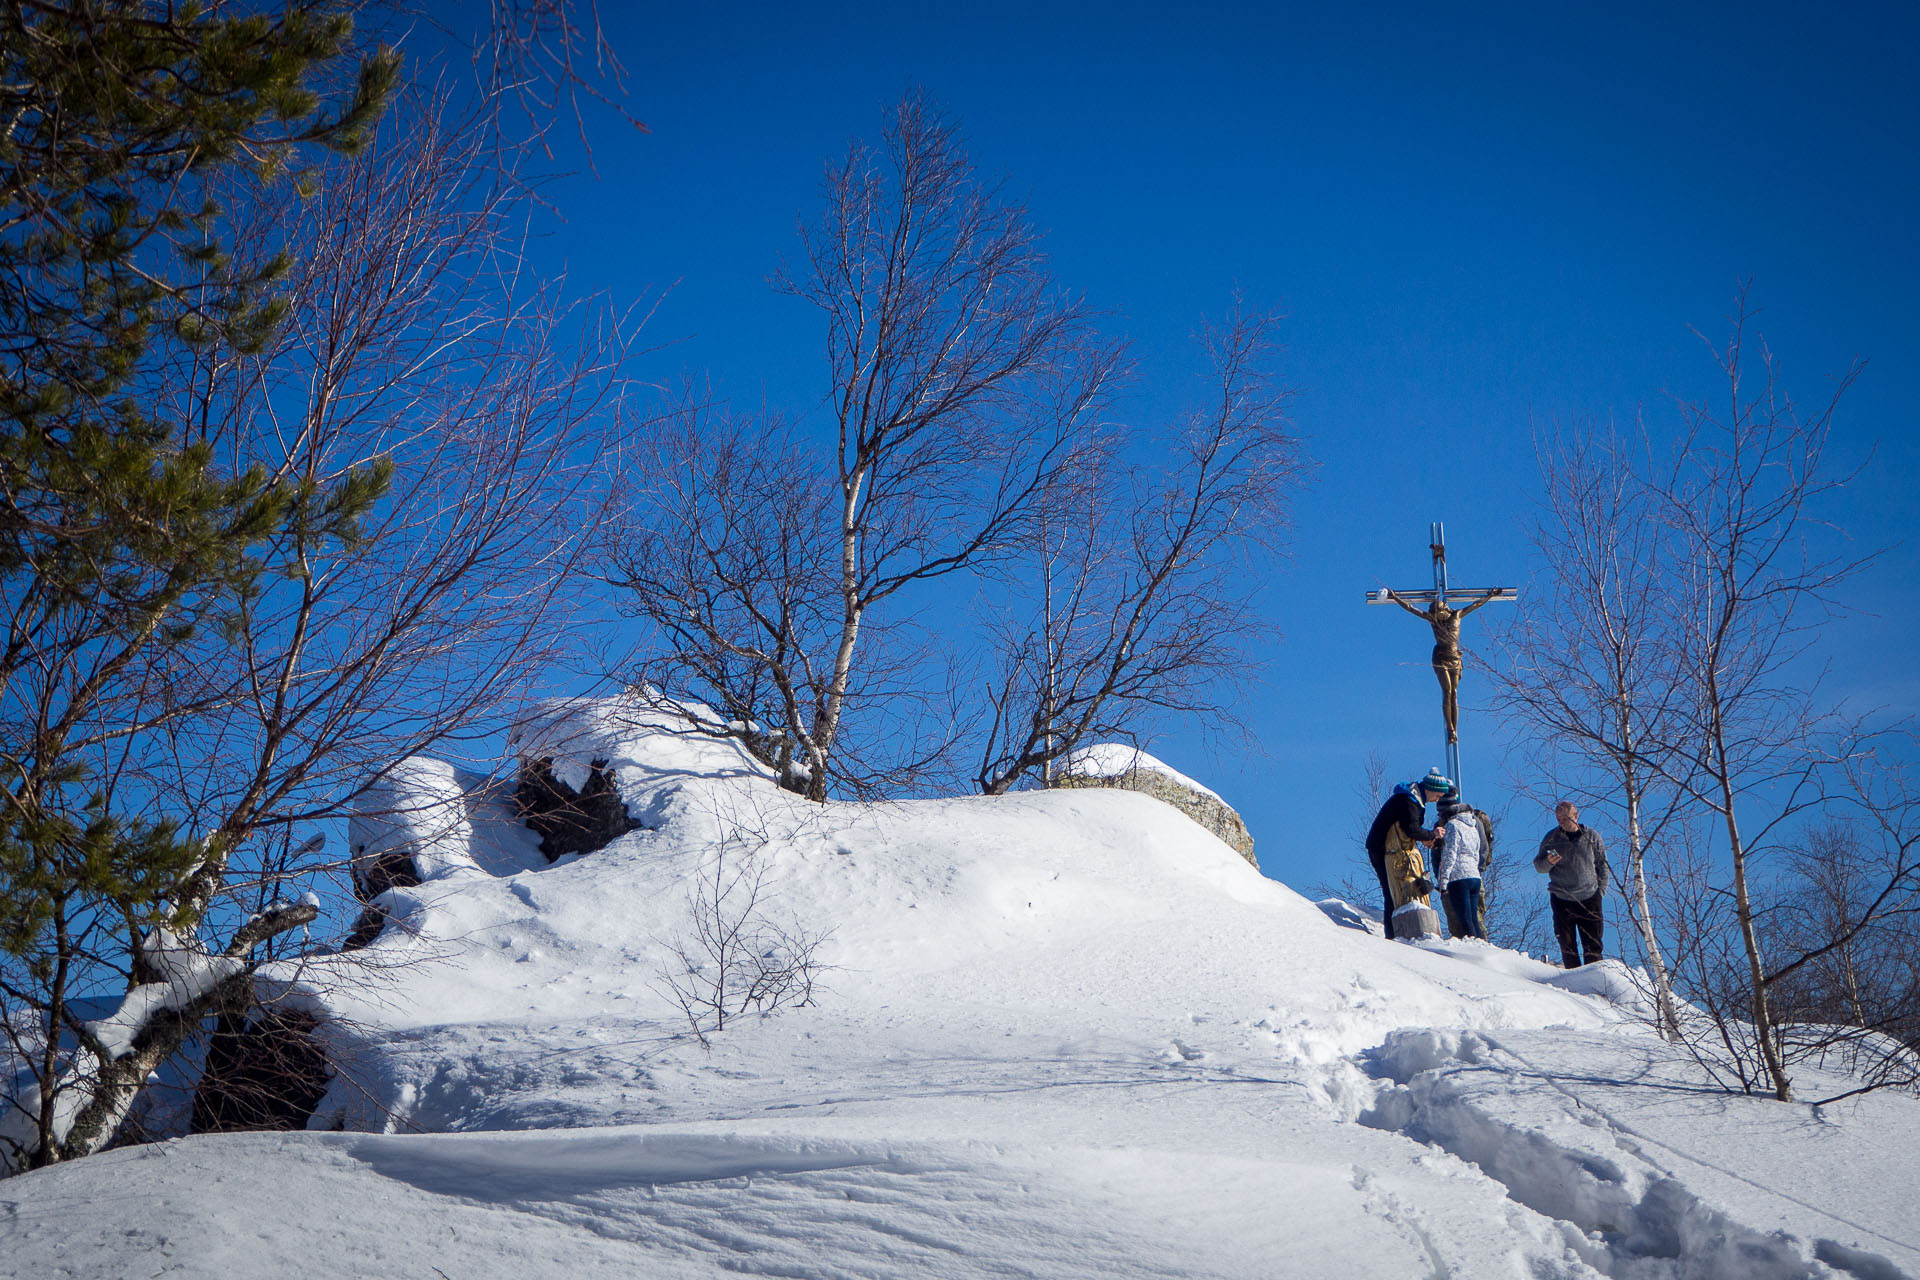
[1436, 781]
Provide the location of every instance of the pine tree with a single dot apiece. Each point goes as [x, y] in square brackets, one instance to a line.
[121, 536]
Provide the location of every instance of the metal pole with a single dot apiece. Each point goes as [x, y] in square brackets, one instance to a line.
[1437, 535]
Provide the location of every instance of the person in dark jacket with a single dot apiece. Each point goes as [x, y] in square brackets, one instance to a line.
[1406, 808]
[1575, 863]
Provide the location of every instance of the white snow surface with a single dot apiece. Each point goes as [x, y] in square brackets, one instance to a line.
[1118, 759]
[1065, 1034]
[654, 739]
[419, 804]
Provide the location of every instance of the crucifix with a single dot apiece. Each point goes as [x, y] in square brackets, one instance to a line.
[1443, 609]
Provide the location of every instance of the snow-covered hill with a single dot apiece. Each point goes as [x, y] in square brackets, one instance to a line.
[1062, 1033]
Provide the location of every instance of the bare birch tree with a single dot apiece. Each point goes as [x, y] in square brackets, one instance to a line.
[1740, 502]
[1844, 920]
[1837, 915]
[1136, 596]
[1588, 666]
[119, 539]
[410, 347]
[961, 384]
[419, 409]
[1673, 667]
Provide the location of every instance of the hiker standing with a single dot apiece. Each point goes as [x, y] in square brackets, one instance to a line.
[1399, 827]
[1575, 862]
[1457, 867]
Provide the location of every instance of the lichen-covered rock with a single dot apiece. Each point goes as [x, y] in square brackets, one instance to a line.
[1114, 764]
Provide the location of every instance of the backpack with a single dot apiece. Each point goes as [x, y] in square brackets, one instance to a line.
[1486, 830]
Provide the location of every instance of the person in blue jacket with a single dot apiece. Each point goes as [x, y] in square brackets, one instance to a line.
[1406, 808]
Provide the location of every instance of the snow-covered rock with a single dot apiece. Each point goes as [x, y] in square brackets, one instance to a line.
[410, 825]
[592, 769]
[570, 821]
[1116, 764]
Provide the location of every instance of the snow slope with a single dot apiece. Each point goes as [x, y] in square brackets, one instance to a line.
[1064, 1033]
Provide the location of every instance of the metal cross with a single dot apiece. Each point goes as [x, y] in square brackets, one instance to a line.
[1442, 608]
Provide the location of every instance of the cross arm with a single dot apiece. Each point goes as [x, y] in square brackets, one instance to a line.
[1489, 595]
[1387, 595]
[1478, 596]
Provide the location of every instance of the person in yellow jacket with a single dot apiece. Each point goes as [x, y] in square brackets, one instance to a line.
[1394, 845]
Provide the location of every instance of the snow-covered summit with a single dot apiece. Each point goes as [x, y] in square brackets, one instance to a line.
[1057, 1033]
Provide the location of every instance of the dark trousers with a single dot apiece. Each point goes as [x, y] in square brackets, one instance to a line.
[1464, 918]
[1386, 892]
[1582, 919]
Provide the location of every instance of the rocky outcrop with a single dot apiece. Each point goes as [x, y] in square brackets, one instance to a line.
[1129, 769]
[569, 820]
[266, 1073]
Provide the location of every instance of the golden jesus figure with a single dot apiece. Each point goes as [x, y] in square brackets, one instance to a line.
[1447, 661]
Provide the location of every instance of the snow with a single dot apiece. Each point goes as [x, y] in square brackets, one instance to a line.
[419, 805]
[1118, 759]
[1348, 916]
[655, 737]
[1659, 1167]
[1064, 1033]
[189, 972]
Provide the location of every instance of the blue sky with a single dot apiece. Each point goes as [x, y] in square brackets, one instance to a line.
[1476, 218]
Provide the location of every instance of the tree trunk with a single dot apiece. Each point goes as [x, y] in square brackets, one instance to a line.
[49, 1067]
[1666, 1012]
[1763, 1028]
[826, 719]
